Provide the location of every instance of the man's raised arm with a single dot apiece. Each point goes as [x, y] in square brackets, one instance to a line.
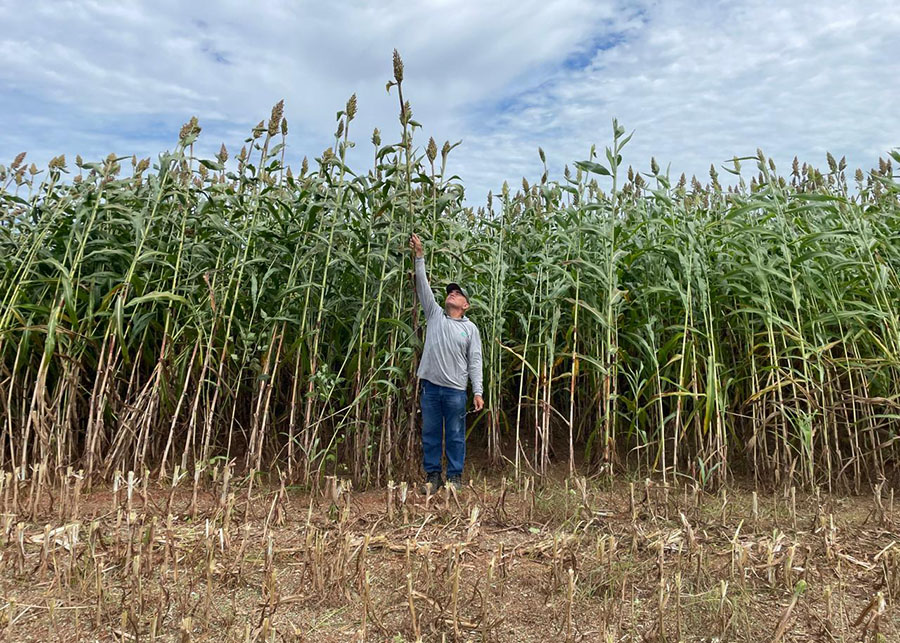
[423, 289]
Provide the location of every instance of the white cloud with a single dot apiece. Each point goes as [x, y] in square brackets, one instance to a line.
[698, 85]
[702, 86]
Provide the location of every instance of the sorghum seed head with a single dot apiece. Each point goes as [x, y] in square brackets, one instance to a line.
[398, 67]
[304, 167]
[859, 175]
[17, 161]
[222, 156]
[189, 128]
[654, 166]
[78, 160]
[431, 150]
[351, 108]
[284, 128]
[340, 129]
[832, 164]
[376, 138]
[259, 129]
[541, 154]
[275, 118]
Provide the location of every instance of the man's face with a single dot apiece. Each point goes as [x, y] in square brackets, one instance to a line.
[456, 299]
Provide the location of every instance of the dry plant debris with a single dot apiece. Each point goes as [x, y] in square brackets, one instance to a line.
[214, 557]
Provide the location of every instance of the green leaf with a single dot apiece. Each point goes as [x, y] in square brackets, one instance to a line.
[211, 165]
[156, 296]
[591, 166]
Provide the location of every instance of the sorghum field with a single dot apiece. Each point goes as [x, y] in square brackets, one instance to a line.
[209, 404]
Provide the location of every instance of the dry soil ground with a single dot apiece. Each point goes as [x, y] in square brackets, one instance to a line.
[499, 561]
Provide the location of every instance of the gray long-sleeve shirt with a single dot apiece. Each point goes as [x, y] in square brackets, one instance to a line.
[452, 351]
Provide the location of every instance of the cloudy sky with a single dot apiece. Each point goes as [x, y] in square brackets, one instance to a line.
[699, 82]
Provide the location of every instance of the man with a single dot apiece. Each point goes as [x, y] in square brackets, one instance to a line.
[452, 355]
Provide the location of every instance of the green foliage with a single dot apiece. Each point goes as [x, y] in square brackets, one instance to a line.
[206, 309]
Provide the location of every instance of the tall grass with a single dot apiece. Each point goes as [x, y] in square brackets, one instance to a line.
[187, 312]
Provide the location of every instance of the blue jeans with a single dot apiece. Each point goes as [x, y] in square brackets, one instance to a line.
[443, 425]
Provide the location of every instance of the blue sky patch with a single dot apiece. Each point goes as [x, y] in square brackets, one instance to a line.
[584, 55]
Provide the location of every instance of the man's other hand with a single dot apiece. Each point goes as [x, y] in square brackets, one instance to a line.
[415, 244]
[479, 403]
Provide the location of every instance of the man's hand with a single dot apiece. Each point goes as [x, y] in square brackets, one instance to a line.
[479, 403]
[415, 244]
